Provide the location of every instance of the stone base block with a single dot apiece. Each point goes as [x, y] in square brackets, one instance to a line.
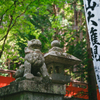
[74, 98]
[30, 90]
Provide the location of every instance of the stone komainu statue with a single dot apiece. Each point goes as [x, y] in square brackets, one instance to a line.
[34, 64]
[19, 72]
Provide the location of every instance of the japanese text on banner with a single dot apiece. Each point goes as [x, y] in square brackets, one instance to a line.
[92, 12]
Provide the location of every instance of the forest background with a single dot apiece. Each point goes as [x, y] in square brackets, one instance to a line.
[64, 20]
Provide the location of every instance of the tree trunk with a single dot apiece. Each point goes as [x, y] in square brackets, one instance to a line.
[75, 21]
[81, 33]
[91, 74]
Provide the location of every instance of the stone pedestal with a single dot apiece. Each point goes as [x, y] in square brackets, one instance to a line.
[74, 98]
[30, 90]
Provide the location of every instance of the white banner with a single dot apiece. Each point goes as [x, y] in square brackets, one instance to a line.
[92, 12]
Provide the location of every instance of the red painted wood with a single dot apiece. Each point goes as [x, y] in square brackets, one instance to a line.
[4, 81]
[78, 92]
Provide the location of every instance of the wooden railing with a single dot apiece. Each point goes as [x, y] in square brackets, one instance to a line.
[78, 90]
[4, 81]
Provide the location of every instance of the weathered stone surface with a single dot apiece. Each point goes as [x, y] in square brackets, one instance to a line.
[63, 58]
[30, 89]
[56, 55]
[32, 96]
[74, 99]
[34, 64]
[58, 98]
[59, 78]
[19, 72]
[34, 60]
[56, 61]
[55, 43]
[29, 85]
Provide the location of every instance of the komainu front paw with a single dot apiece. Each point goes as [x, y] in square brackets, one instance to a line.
[29, 76]
[46, 79]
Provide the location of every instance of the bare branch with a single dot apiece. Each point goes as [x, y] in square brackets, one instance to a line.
[1, 19]
[9, 28]
[19, 16]
[14, 22]
[5, 37]
[6, 11]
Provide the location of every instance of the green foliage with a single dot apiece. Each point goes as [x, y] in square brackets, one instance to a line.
[41, 19]
[21, 21]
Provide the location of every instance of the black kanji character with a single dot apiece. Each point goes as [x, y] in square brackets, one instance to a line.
[94, 38]
[89, 6]
[98, 77]
[94, 23]
[95, 49]
[90, 16]
[92, 54]
[98, 59]
[95, 68]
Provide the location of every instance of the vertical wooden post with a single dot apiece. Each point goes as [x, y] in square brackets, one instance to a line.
[11, 74]
[91, 75]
